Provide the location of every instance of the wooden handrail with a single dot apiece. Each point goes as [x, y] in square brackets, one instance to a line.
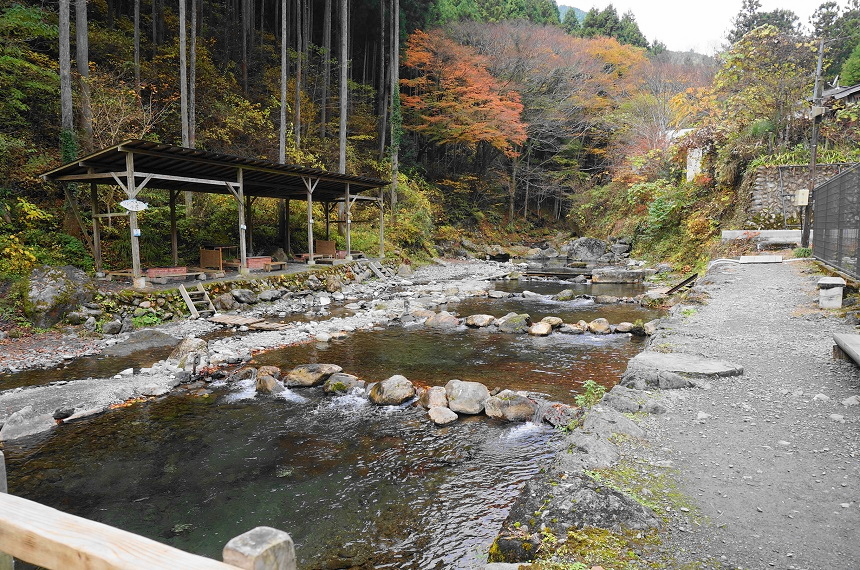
[56, 540]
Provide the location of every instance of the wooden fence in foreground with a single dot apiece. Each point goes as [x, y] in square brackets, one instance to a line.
[56, 540]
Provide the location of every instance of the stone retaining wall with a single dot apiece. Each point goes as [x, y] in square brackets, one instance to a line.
[769, 196]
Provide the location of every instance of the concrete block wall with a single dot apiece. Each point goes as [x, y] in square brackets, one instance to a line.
[766, 195]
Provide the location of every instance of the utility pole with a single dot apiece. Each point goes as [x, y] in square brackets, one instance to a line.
[817, 114]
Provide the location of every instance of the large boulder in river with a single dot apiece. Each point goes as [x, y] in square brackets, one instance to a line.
[53, 292]
[441, 415]
[466, 397]
[392, 391]
[566, 295]
[514, 323]
[433, 397]
[540, 329]
[599, 326]
[267, 384]
[442, 320]
[479, 321]
[587, 249]
[510, 406]
[310, 374]
[342, 383]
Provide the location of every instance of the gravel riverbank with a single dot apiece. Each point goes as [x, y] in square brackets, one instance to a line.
[770, 459]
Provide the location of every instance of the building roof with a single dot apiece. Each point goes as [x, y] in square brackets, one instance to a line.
[840, 92]
[169, 167]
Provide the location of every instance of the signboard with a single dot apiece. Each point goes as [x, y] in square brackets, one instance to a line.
[802, 197]
[134, 205]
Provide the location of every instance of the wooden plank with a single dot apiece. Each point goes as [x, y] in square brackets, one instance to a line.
[687, 281]
[376, 270]
[188, 302]
[53, 539]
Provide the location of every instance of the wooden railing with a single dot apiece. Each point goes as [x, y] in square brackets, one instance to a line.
[55, 540]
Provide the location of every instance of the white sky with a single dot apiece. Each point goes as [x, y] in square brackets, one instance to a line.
[689, 24]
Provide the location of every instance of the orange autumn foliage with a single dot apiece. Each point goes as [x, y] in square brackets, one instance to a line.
[451, 97]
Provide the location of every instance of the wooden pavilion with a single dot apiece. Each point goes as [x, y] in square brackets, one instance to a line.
[136, 164]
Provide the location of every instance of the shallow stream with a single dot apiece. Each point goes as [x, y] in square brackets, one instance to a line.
[354, 484]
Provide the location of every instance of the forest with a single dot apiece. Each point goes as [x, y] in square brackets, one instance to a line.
[500, 120]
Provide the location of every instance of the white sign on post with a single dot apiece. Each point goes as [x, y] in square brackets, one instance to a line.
[134, 205]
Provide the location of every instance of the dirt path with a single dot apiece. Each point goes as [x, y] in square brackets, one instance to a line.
[775, 478]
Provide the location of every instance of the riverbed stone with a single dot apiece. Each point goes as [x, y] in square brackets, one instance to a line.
[273, 371]
[442, 320]
[559, 505]
[434, 396]
[112, 327]
[498, 294]
[560, 415]
[186, 350]
[554, 322]
[586, 451]
[270, 295]
[514, 323]
[605, 421]
[25, 422]
[689, 365]
[466, 397]
[624, 327]
[599, 326]
[442, 415]
[310, 374]
[479, 321]
[268, 385]
[566, 295]
[244, 296]
[342, 383]
[225, 302]
[392, 391]
[570, 329]
[540, 329]
[509, 406]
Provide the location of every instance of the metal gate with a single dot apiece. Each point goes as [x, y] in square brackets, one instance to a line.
[836, 226]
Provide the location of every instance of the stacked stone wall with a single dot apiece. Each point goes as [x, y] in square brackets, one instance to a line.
[771, 196]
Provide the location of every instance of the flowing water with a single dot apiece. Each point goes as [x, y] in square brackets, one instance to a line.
[354, 484]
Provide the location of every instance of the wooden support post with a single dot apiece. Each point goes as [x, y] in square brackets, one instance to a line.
[97, 229]
[327, 209]
[289, 245]
[131, 190]
[310, 186]
[348, 214]
[263, 548]
[243, 246]
[174, 238]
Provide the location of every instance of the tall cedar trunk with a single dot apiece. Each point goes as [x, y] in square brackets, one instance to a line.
[297, 101]
[67, 133]
[326, 65]
[282, 144]
[154, 27]
[192, 86]
[395, 100]
[137, 47]
[344, 62]
[382, 86]
[183, 91]
[245, 15]
[82, 58]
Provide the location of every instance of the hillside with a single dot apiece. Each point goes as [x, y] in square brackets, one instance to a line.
[562, 10]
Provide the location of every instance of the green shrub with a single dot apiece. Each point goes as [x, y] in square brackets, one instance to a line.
[802, 252]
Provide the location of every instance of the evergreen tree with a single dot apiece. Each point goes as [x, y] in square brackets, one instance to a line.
[571, 23]
[751, 17]
[850, 74]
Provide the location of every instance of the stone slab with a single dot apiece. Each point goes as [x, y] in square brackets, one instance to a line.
[761, 259]
[685, 364]
[850, 345]
[780, 235]
[830, 282]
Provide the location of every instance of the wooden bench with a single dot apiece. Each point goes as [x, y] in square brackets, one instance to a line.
[275, 265]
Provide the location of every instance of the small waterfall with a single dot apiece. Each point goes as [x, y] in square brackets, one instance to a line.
[540, 410]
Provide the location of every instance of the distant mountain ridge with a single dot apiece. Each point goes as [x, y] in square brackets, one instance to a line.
[562, 10]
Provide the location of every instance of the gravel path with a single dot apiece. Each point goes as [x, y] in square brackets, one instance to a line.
[771, 459]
